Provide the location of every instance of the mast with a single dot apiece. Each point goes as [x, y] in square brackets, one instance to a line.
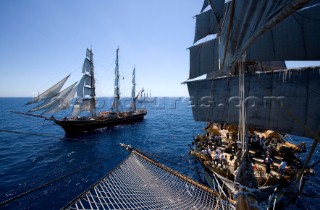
[116, 85]
[93, 87]
[133, 93]
[86, 100]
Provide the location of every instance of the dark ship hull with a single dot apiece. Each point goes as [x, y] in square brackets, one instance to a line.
[80, 125]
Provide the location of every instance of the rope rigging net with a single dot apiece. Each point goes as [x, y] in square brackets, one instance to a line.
[141, 183]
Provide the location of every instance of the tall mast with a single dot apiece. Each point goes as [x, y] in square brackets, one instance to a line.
[133, 93]
[93, 87]
[116, 85]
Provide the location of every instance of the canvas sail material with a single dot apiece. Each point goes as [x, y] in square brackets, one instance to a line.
[133, 91]
[55, 100]
[217, 7]
[302, 29]
[50, 93]
[205, 25]
[268, 33]
[86, 88]
[116, 100]
[245, 22]
[285, 100]
[63, 103]
[204, 58]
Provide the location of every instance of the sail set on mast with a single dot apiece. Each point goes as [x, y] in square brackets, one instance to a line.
[271, 89]
[54, 100]
[238, 74]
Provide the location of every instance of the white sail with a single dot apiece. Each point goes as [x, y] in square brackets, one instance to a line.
[86, 88]
[116, 99]
[51, 92]
[86, 105]
[86, 68]
[133, 91]
[76, 108]
[57, 99]
[62, 103]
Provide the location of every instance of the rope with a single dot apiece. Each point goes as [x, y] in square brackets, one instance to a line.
[37, 134]
[33, 115]
[314, 145]
[142, 183]
[242, 108]
[53, 181]
[228, 32]
[316, 163]
[310, 195]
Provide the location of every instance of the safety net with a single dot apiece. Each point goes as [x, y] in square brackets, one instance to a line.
[142, 183]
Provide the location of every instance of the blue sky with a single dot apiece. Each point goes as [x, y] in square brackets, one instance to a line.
[42, 41]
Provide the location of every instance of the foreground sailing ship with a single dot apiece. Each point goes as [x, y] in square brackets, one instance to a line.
[85, 116]
[238, 74]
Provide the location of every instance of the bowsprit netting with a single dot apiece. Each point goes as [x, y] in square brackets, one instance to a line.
[141, 183]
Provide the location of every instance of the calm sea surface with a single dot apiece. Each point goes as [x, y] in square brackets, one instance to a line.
[28, 161]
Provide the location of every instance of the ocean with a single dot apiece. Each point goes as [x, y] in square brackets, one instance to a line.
[39, 153]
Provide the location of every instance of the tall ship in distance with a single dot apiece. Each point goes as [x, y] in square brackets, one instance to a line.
[146, 97]
[85, 116]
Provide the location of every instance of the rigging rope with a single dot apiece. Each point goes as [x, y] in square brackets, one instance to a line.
[55, 180]
[38, 134]
[242, 108]
[141, 183]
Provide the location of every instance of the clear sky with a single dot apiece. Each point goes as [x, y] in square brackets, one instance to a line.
[42, 41]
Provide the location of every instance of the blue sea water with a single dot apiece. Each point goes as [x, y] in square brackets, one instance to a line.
[28, 161]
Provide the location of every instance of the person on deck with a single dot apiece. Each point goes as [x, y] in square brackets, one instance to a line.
[224, 162]
[218, 151]
[255, 142]
[239, 154]
[221, 157]
[282, 167]
[216, 159]
[268, 162]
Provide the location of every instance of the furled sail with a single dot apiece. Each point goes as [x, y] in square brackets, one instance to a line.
[51, 92]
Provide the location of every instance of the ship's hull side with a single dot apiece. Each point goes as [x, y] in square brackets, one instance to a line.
[79, 126]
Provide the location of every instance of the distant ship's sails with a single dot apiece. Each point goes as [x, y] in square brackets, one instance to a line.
[54, 100]
[51, 92]
[86, 89]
